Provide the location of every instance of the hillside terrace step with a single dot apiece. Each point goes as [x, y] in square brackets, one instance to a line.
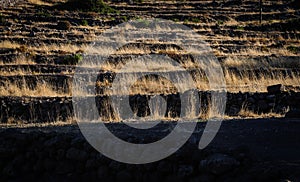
[38, 68]
[232, 32]
[58, 80]
[51, 109]
[62, 82]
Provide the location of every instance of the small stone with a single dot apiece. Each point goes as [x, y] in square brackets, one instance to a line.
[185, 170]
[218, 164]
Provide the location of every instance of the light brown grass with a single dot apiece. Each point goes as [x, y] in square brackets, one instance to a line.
[20, 90]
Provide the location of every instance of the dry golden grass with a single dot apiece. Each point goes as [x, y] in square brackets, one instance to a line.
[15, 122]
[46, 48]
[257, 83]
[248, 63]
[19, 60]
[9, 44]
[20, 90]
[258, 52]
[244, 113]
[40, 2]
[64, 48]
[19, 71]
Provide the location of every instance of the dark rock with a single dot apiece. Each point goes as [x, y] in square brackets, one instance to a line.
[218, 164]
[293, 114]
[60, 154]
[9, 170]
[271, 97]
[63, 25]
[77, 142]
[233, 110]
[102, 172]
[49, 164]
[275, 89]
[203, 178]
[90, 164]
[251, 100]
[38, 167]
[64, 167]
[279, 171]
[185, 170]
[172, 178]
[165, 167]
[76, 154]
[32, 34]
[89, 176]
[263, 106]
[152, 177]
[117, 166]
[123, 176]
[271, 105]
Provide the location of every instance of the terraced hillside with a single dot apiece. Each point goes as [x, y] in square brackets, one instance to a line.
[45, 51]
[41, 44]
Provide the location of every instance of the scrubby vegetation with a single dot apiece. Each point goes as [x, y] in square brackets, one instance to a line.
[87, 6]
[2, 20]
[64, 25]
[293, 49]
[72, 59]
[84, 23]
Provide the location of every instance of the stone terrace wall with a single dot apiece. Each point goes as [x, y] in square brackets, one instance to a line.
[60, 108]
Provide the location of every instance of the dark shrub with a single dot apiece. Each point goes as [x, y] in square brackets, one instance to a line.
[293, 49]
[87, 5]
[2, 20]
[72, 59]
[64, 25]
[84, 23]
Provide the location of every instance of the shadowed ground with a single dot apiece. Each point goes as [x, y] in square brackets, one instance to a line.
[256, 149]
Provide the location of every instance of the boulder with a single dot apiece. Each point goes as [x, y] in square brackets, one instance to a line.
[293, 114]
[263, 106]
[275, 89]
